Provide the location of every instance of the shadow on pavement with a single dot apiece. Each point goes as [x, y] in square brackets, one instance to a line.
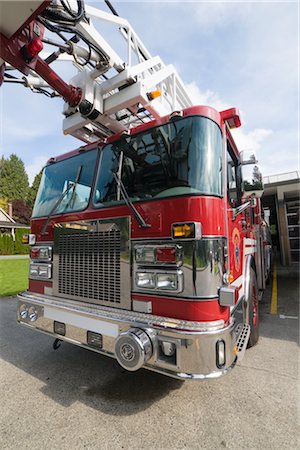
[74, 374]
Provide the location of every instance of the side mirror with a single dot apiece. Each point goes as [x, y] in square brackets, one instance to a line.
[251, 175]
[247, 157]
[252, 182]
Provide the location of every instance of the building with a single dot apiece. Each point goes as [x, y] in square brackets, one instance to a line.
[281, 201]
[8, 224]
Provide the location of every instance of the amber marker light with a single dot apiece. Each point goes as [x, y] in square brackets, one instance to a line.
[28, 239]
[153, 95]
[25, 239]
[185, 231]
[231, 278]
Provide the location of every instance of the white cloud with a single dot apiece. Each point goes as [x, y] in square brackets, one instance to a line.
[35, 166]
[207, 97]
[252, 140]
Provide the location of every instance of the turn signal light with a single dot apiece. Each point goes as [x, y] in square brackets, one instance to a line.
[187, 230]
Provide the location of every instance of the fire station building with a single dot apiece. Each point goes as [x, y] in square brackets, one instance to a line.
[281, 203]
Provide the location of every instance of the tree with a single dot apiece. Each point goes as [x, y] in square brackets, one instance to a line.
[14, 183]
[4, 204]
[21, 211]
[33, 189]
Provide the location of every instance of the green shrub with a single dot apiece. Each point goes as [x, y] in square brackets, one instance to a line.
[10, 247]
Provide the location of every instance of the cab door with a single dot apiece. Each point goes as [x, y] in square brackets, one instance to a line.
[237, 223]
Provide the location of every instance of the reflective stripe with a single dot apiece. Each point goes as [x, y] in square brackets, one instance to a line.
[249, 241]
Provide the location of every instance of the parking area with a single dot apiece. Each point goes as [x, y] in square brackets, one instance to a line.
[75, 399]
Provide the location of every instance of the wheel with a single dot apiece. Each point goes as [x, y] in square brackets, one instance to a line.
[253, 310]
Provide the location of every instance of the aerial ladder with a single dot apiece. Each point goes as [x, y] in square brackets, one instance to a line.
[111, 91]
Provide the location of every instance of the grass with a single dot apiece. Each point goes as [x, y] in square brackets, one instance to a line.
[13, 276]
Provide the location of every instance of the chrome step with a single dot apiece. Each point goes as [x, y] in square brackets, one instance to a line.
[242, 337]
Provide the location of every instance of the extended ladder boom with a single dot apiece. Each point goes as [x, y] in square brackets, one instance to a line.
[110, 93]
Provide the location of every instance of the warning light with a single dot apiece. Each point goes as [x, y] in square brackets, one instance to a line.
[32, 49]
[153, 95]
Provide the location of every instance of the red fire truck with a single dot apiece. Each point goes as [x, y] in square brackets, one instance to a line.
[146, 242]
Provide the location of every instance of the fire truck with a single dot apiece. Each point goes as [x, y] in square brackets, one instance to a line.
[147, 241]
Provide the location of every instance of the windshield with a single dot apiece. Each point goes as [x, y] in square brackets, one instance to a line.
[61, 177]
[181, 157]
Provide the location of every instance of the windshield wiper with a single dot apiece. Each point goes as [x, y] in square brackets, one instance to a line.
[129, 203]
[63, 194]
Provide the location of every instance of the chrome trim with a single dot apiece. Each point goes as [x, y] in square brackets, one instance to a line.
[260, 259]
[202, 267]
[193, 376]
[248, 295]
[194, 356]
[227, 296]
[239, 209]
[213, 237]
[237, 305]
[99, 311]
[226, 209]
[167, 295]
[168, 238]
[91, 261]
[133, 348]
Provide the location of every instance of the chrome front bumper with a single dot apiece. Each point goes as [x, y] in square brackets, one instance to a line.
[195, 342]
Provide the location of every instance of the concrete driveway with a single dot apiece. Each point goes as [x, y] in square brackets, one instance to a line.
[75, 399]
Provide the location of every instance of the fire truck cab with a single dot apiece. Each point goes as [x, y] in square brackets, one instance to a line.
[148, 248]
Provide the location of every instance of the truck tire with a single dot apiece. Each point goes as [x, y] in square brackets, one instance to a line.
[253, 310]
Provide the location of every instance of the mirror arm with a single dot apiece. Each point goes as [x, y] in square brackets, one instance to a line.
[240, 209]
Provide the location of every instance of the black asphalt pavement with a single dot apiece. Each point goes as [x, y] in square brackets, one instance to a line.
[75, 399]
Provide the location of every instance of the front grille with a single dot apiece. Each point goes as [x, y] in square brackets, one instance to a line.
[89, 265]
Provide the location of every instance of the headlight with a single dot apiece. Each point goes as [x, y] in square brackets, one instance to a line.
[34, 270]
[145, 254]
[145, 280]
[160, 281]
[41, 253]
[166, 281]
[40, 271]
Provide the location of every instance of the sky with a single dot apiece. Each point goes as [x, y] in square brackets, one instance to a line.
[229, 54]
